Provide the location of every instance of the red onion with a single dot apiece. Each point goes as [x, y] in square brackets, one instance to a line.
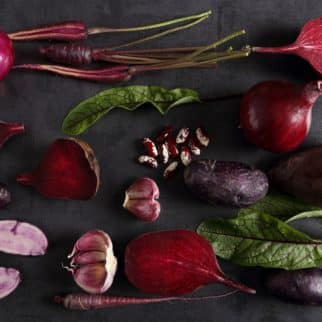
[276, 115]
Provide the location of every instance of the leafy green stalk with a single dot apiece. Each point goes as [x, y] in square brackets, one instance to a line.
[129, 98]
[258, 239]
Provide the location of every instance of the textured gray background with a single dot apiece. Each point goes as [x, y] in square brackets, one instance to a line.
[41, 101]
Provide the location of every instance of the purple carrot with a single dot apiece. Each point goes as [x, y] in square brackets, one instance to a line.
[105, 75]
[308, 45]
[92, 301]
[77, 30]
[22, 238]
[9, 281]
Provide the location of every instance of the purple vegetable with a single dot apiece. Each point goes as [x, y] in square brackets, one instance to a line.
[21, 238]
[9, 281]
[226, 182]
[302, 286]
[300, 175]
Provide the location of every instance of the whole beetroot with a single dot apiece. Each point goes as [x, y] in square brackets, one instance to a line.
[226, 182]
[300, 175]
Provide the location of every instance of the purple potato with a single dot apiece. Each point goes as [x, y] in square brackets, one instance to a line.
[300, 175]
[301, 286]
[226, 182]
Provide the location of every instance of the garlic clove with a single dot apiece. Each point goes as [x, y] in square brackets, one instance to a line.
[88, 258]
[140, 199]
[93, 263]
[93, 278]
[147, 210]
[95, 240]
[143, 188]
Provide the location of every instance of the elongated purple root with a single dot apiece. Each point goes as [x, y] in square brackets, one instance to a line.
[70, 54]
[22, 238]
[90, 301]
[9, 281]
[106, 75]
[70, 30]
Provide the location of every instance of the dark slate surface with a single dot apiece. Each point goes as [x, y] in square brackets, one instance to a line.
[41, 102]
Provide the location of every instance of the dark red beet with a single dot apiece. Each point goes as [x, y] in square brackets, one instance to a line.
[276, 115]
[7, 55]
[7, 130]
[171, 263]
[69, 170]
[308, 45]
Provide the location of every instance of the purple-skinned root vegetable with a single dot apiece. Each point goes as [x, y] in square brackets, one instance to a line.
[300, 175]
[301, 286]
[68, 170]
[20, 238]
[85, 302]
[7, 130]
[174, 262]
[93, 263]
[308, 45]
[226, 182]
[141, 199]
[77, 30]
[7, 55]
[276, 115]
[5, 195]
[9, 281]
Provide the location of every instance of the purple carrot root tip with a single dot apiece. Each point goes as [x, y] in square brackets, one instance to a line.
[113, 74]
[94, 301]
[67, 31]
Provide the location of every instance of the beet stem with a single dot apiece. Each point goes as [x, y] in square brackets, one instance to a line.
[98, 30]
[161, 34]
[275, 50]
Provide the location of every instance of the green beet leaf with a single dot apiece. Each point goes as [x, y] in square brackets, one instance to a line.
[129, 98]
[279, 205]
[257, 239]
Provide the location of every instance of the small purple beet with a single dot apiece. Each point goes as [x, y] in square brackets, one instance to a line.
[226, 182]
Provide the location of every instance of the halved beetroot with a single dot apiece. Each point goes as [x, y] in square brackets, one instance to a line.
[69, 170]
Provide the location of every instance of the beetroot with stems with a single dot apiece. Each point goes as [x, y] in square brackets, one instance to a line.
[7, 55]
[175, 262]
[276, 115]
[308, 45]
[69, 170]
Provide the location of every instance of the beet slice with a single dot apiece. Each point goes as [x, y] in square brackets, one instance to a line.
[9, 281]
[69, 170]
